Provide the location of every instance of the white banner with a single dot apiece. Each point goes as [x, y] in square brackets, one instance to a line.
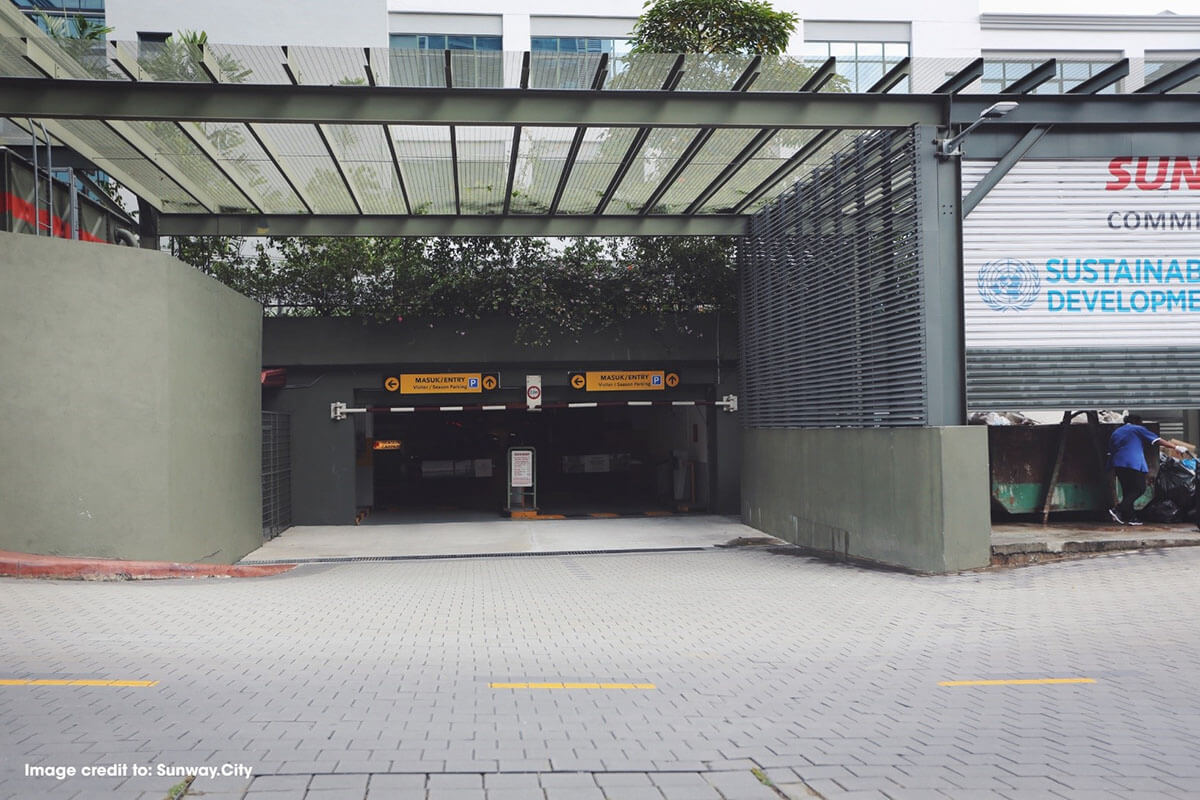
[1084, 254]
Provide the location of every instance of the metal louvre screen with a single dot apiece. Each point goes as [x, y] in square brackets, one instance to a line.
[832, 296]
[276, 473]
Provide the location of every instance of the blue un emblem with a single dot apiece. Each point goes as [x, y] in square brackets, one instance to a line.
[1008, 284]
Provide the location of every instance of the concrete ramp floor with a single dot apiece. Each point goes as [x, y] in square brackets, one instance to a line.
[499, 536]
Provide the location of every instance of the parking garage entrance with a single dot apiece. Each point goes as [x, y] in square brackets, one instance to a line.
[599, 458]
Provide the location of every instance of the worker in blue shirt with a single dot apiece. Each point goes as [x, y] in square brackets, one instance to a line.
[1127, 457]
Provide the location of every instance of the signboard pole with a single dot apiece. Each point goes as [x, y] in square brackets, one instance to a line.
[521, 486]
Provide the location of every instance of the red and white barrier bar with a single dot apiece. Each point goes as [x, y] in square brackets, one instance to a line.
[338, 411]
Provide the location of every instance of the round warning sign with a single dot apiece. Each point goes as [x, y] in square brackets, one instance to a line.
[578, 381]
[534, 392]
[391, 384]
[672, 380]
[489, 382]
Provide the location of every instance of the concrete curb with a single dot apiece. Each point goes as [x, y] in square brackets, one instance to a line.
[29, 565]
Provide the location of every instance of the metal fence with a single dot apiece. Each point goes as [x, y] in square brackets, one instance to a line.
[832, 294]
[276, 473]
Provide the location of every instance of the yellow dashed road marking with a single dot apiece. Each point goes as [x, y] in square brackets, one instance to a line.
[1018, 682]
[572, 686]
[55, 682]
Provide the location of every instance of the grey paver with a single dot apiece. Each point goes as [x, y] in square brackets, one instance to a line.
[374, 678]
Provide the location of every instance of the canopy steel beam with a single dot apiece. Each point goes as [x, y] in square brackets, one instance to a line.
[1132, 111]
[127, 63]
[893, 77]
[742, 84]
[1103, 79]
[439, 225]
[516, 141]
[1173, 79]
[1033, 79]
[819, 78]
[961, 79]
[803, 154]
[367, 105]
[672, 80]
[577, 140]
[1002, 168]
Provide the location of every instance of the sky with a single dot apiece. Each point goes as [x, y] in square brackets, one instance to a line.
[1191, 7]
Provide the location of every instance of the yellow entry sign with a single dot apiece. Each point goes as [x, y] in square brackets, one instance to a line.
[440, 383]
[624, 381]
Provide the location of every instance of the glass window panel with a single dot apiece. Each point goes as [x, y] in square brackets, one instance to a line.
[405, 41]
[543, 44]
[870, 50]
[492, 44]
[460, 42]
[896, 50]
[842, 49]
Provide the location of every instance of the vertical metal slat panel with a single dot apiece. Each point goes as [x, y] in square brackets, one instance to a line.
[832, 297]
[276, 473]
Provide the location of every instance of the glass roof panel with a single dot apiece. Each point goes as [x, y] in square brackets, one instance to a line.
[721, 148]
[481, 69]
[416, 68]
[178, 60]
[424, 155]
[782, 74]
[12, 62]
[778, 149]
[253, 63]
[660, 152]
[930, 73]
[540, 160]
[172, 145]
[639, 71]
[363, 154]
[562, 70]
[483, 167]
[328, 66]
[105, 143]
[242, 156]
[712, 73]
[806, 168]
[303, 156]
[598, 160]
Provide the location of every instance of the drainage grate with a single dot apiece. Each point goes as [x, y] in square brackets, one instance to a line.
[356, 559]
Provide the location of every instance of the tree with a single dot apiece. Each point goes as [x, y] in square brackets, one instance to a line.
[82, 39]
[712, 26]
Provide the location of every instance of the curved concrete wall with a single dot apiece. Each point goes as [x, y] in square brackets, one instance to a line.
[130, 396]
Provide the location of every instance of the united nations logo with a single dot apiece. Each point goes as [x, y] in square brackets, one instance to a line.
[1008, 284]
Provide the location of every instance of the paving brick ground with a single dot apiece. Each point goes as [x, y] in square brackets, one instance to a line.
[372, 680]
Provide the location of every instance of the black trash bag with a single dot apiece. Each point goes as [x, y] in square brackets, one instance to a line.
[1161, 511]
[1176, 483]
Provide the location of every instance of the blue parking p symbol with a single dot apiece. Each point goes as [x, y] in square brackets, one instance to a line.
[473, 383]
[656, 380]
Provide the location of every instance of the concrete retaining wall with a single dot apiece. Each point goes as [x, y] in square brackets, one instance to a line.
[130, 394]
[915, 498]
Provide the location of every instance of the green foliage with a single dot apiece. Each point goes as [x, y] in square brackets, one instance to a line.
[579, 289]
[179, 58]
[712, 26]
[82, 39]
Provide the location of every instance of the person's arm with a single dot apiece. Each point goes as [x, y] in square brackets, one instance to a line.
[1178, 448]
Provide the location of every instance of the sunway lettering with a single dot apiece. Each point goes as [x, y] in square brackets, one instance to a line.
[1152, 173]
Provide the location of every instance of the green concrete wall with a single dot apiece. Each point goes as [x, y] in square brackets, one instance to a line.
[915, 498]
[129, 390]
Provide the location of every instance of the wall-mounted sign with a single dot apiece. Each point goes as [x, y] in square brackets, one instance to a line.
[387, 444]
[624, 380]
[442, 382]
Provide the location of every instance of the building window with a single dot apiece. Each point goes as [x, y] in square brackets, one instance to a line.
[573, 44]
[1000, 71]
[440, 41]
[861, 64]
[1159, 65]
